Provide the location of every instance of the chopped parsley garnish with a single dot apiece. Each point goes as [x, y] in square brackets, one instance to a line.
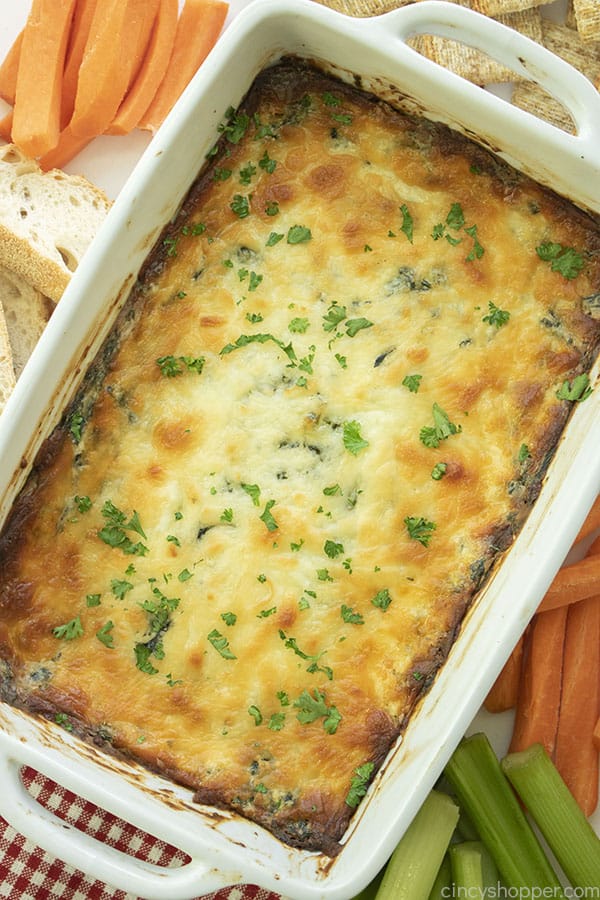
[274, 238]
[83, 504]
[359, 784]
[382, 599]
[298, 234]
[114, 532]
[69, 631]
[63, 720]
[407, 222]
[477, 250]
[333, 549]
[221, 644]
[170, 366]
[221, 174]
[276, 721]
[349, 615]
[104, 635]
[120, 588]
[564, 260]
[291, 644]
[442, 428]
[455, 218]
[76, 423]
[272, 208]
[229, 618]
[335, 315]
[353, 440]
[332, 490]
[330, 100]
[246, 173]
[267, 164]
[245, 339]
[577, 390]
[523, 453]
[412, 382]
[184, 575]
[298, 325]
[142, 654]
[235, 128]
[92, 600]
[353, 326]
[253, 492]
[419, 529]
[342, 118]
[496, 316]
[265, 613]
[256, 714]
[171, 245]
[267, 517]
[173, 539]
[438, 471]
[313, 707]
[240, 205]
[227, 515]
[254, 318]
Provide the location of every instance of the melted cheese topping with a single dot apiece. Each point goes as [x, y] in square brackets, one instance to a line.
[338, 387]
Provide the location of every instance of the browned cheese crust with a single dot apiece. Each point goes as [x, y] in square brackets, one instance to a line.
[323, 415]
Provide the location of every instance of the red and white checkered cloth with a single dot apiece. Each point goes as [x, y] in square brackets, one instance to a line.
[29, 873]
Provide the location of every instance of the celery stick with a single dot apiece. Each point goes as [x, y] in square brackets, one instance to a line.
[467, 873]
[556, 813]
[480, 786]
[442, 885]
[370, 891]
[414, 864]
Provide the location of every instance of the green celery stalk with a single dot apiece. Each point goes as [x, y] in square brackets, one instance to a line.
[556, 813]
[467, 869]
[370, 891]
[442, 885]
[413, 866]
[481, 787]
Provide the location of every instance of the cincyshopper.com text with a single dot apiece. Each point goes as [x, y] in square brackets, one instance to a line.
[501, 892]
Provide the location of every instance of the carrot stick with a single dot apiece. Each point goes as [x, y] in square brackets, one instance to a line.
[575, 755]
[151, 71]
[198, 28]
[80, 30]
[36, 122]
[573, 583]
[6, 127]
[504, 692]
[592, 521]
[68, 146]
[536, 717]
[596, 734]
[9, 70]
[105, 70]
[576, 752]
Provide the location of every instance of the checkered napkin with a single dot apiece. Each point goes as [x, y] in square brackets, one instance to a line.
[29, 873]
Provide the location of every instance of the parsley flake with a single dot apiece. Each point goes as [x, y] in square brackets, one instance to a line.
[564, 260]
[359, 784]
[353, 440]
[69, 631]
[419, 529]
[298, 234]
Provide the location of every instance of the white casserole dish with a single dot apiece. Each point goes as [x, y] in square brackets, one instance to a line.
[225, 849]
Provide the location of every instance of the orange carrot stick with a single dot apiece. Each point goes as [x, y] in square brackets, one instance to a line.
[596, 734]
[151, 71]
[504, 692]
[536, 718]
[592, 521]
[198, 28]
[572, 583]
[9, 70]
[105, 69]
[6, 127]
[575, 755]
[68, 146]
[80, 30]
[578, 735]
[36, 122]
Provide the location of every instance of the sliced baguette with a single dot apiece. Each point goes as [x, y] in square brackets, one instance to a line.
[47, 221]
[7, 372]
[26, 314]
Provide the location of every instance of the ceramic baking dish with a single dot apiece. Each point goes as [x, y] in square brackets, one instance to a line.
[224, 849]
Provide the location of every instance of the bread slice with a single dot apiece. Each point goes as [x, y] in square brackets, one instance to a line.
[7, 372]
[47, 221]
[26, 314]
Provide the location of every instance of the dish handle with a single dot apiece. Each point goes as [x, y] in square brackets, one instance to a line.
[521, 54]
[96, 859]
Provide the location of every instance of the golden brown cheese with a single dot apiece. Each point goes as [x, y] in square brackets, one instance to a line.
[325, 411]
